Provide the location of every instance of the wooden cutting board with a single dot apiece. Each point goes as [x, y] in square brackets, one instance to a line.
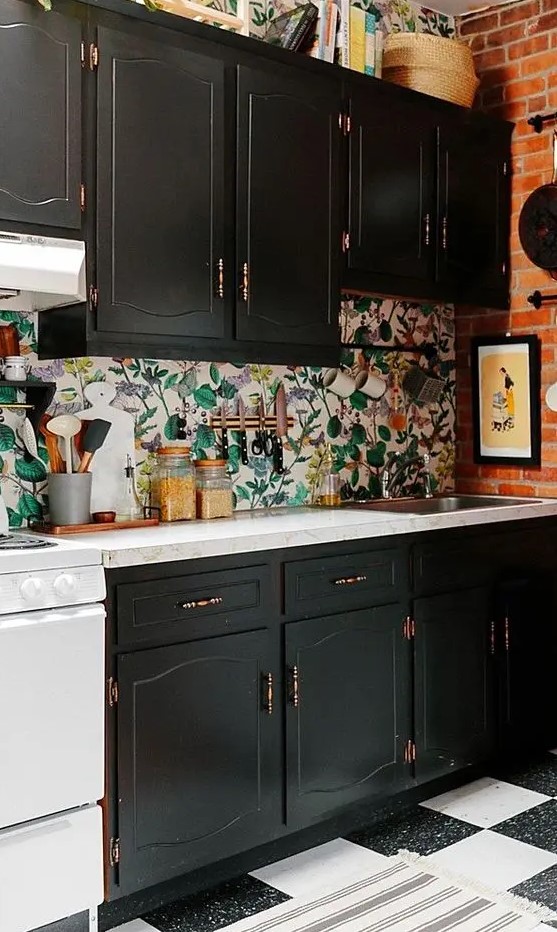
[91, 528]
[109, 462]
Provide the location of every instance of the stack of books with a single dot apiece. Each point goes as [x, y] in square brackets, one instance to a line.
[348, 35]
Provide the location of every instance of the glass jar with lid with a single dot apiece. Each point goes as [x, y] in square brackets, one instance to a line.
[214, 489]
[174, 485]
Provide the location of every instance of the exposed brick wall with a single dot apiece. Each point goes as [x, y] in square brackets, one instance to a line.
[515, 51]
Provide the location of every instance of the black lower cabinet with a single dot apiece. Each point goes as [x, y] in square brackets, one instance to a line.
[198, 755]
[455, 720]
[526, 641]
[348, 710]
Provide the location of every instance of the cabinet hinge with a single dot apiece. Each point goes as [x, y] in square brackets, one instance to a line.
[93, 298]
[345, 241]
[114, 852]
[112, 691]
[82, 199]
[93, 57]
[344, 123]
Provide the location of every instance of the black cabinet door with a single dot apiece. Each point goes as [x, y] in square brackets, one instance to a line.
[348, 710]
[392, 170]
[527, 649]
[160, 188]
[198, 755]
[454, 681]
[40, 116]
[474, 209]
[288, 208]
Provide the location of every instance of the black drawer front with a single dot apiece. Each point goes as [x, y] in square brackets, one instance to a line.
[183, 605]
[456, 564]
[343, 582]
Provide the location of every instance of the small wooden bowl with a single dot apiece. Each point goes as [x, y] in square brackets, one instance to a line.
[104, 517]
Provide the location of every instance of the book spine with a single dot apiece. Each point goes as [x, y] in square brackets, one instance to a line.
[343, 36]
[313, 51]
[357, 39]
[330, 32]
[301, 30]
[370, 44]
[378, 53]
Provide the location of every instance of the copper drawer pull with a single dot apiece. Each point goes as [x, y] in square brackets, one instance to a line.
[220, 279]
[203, 603]
[244, 288]
[268, 681]
[427, 237]
[349, 580]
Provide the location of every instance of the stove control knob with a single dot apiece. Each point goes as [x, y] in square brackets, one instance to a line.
[64, 585]
[31, 589]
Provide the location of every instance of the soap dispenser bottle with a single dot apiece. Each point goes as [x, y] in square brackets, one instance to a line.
[130, 507]
[329, 485]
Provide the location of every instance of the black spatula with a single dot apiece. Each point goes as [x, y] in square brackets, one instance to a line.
[93, 441]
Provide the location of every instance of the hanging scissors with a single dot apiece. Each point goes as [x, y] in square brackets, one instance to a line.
[263, 444]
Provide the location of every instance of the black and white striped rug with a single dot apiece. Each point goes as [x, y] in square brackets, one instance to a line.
[401, 898]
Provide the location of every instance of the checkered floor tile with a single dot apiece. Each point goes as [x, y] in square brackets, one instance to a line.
[500, 830]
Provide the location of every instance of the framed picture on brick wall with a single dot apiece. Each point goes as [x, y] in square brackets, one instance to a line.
[506, 400]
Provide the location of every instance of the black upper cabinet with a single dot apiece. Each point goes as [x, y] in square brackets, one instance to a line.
[454, 681]
[160, 188]
[288, 207]
[40, 116]
[473, 203]
[198, 755]
[348, 710]
[392, 169]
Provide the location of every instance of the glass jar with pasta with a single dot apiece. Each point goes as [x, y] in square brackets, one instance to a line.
[214, 489]
[174, 485]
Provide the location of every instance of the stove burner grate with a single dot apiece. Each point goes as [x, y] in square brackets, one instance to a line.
[20, 542]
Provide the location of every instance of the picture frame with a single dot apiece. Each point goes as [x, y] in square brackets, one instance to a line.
[506, 408]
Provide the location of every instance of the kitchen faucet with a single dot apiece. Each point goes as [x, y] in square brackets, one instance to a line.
[392, 476]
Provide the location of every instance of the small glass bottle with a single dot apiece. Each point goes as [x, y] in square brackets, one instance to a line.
[329, 483]
[129, 507]
[174, 485]
[214, 489]
[397, 412]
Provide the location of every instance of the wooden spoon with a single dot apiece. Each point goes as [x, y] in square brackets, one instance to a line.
[65, 426]
[51, 441]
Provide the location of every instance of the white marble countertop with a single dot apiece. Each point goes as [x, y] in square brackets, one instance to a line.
[249, 532]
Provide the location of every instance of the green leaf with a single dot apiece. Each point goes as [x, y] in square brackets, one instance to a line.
[46, 4]
[358, 401]
[358, 434]
[172, 426]
[214, 373]
[7, 437]
[355, 476]
[205, 397]
[14, 518]
[205, 436]
[376, 455]
[30, 470]
[241, 493]
[334, 426]
[171, 380]
[228, 390]
[384, 432]
[7, 394]
[385, 331]
[29, 507]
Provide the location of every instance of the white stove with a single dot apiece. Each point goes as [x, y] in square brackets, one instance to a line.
[52, 635]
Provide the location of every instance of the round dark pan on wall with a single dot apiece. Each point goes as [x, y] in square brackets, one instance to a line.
[537, 226]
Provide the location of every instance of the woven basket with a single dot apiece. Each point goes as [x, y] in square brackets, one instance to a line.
[433, 65]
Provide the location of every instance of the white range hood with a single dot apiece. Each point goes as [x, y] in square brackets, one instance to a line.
[40, 272]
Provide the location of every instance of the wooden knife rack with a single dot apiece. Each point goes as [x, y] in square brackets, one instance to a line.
[251, 422]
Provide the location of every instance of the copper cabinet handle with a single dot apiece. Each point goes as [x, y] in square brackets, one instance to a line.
[507, 634]
[492, 637]
[268, 688]
[444, 232]
[203, 603]
[427, 232]
[294, 686]
[220, 279]
[349, 580]
[244, 289]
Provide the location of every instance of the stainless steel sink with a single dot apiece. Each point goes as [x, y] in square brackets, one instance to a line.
[441, 504]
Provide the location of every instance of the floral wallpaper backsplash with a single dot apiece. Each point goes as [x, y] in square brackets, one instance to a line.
[156, 392]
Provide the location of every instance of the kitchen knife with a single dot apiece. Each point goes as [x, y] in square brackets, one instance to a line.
[243, 435]
[282, 428]
[224, 431]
